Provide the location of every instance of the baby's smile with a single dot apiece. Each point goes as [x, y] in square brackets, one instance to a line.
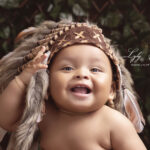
[81, 90]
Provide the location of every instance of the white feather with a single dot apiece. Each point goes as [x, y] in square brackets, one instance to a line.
[133, 110]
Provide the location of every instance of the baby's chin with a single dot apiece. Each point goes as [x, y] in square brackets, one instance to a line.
[78, 110]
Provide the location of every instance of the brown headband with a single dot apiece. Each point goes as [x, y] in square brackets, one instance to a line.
[69, 34]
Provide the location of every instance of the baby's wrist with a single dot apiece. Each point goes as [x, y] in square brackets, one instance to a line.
[25, 77]
[20, 83]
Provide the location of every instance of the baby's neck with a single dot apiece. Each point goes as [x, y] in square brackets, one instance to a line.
[69, 113]
[65, 112]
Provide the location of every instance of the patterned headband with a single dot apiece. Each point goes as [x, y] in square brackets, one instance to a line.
[75, 33]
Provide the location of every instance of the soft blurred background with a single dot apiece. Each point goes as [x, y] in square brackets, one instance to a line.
[126, 22]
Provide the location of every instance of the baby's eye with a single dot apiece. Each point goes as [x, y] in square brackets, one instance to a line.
[67, 68]
[95, 70]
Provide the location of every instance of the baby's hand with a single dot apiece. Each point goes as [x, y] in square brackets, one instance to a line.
[33, 66]
[37, 63]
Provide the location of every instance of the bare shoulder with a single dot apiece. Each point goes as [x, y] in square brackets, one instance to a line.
[122, 131]
[113, 116]
[116, 118]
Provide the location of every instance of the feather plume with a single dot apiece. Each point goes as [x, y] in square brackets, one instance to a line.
[133, 111]
[33, 109]
[130, 106]
[25, 33]
[32, 113]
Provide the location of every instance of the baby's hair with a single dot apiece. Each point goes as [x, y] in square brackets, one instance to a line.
[29, 43]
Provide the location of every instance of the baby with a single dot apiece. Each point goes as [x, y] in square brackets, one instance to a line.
[78, 99]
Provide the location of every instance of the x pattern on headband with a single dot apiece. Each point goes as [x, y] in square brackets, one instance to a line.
[98, 37]
[62, 40]
[79, 35]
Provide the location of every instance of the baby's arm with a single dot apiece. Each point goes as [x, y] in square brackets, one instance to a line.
[124, 136]
[12, 99]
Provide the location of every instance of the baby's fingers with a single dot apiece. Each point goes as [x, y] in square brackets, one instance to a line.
[41, 52]
[32, 68]
[41, 56]
[40, 66]
[38, 62]
[40, 59]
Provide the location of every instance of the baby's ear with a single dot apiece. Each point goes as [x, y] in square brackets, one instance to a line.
[112, 95]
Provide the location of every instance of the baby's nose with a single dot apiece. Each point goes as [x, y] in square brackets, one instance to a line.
[82, 74]
[82, 77]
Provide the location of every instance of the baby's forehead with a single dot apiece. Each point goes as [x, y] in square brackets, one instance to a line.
[83, 56]
[83, 52]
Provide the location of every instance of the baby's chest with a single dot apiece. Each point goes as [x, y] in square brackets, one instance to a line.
[81, 134]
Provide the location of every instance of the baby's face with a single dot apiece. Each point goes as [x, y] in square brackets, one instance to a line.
[80, 79]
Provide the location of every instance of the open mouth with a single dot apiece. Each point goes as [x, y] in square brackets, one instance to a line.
[81, 89]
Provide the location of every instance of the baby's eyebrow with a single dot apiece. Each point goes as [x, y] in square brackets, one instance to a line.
[68, 58]
[92, 60]
[98, 60]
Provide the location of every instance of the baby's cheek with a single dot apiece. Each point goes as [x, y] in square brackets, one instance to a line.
[103, 87]
[52, 83]
[103, 81]
[56, 83]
